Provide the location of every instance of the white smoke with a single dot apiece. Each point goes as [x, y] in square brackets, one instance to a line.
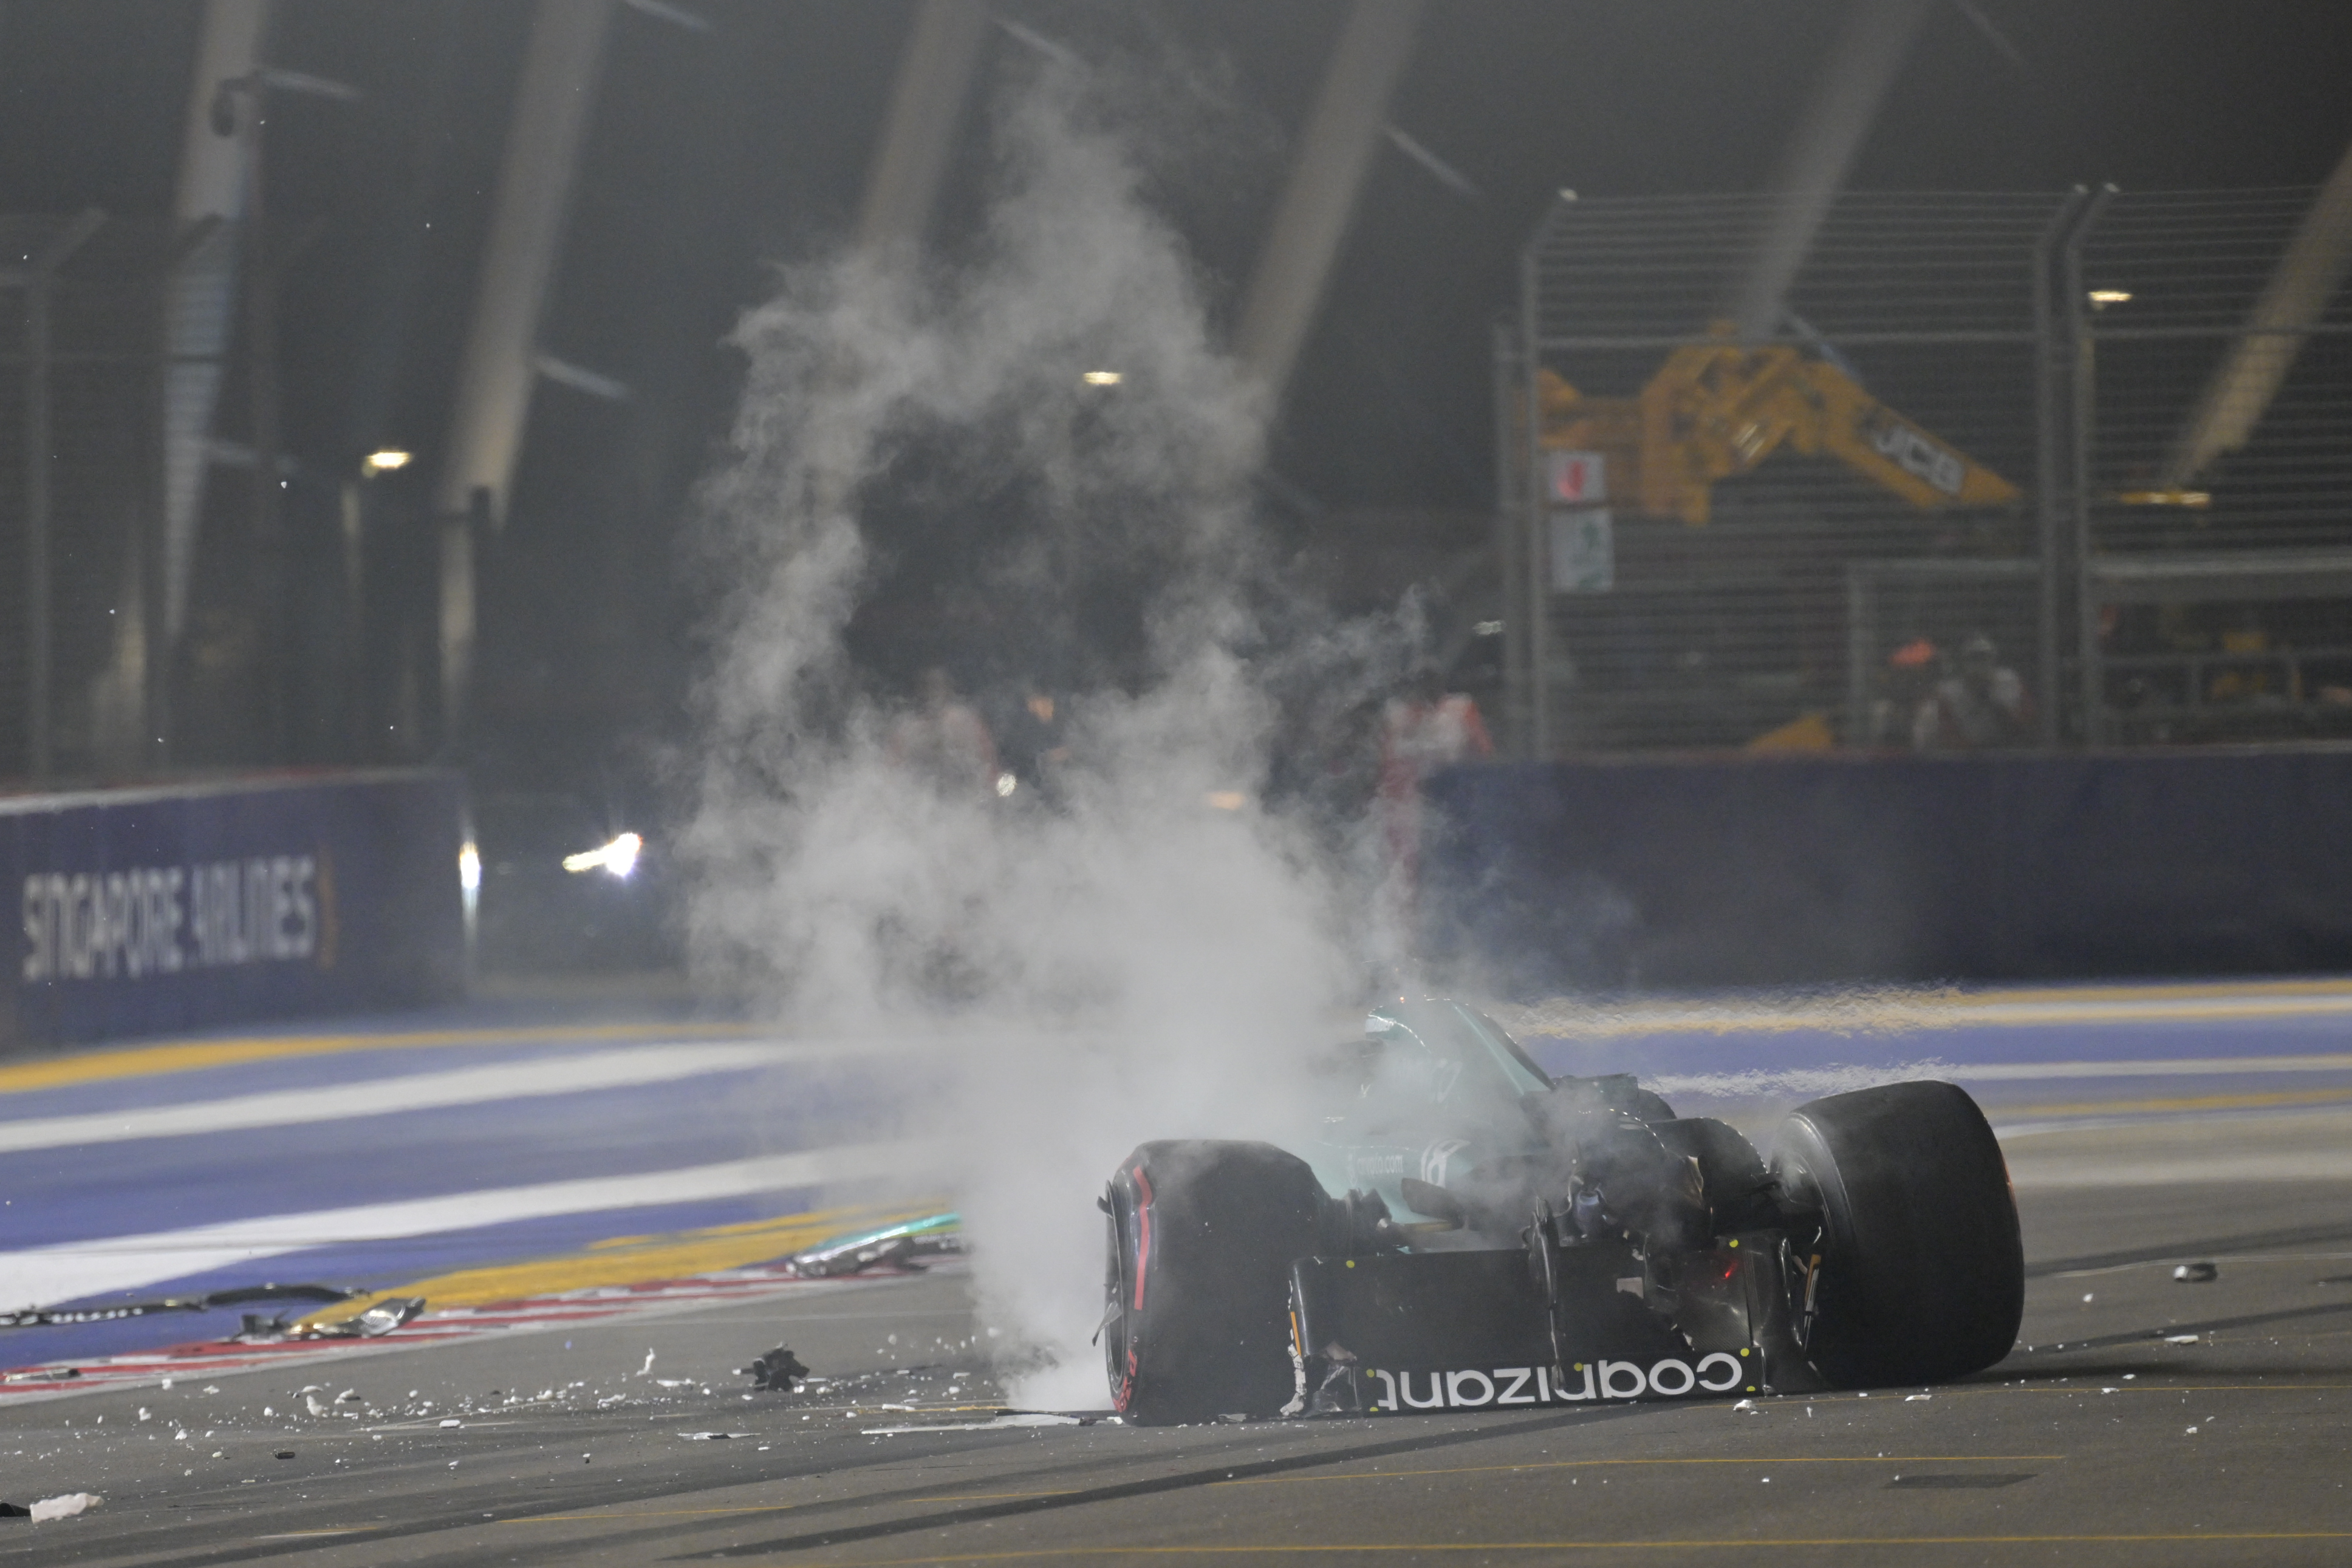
[1132, 963]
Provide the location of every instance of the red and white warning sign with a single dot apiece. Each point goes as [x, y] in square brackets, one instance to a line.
[1578, 478]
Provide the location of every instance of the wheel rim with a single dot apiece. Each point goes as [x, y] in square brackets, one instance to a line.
[1118, 1289]
[1800, 1273]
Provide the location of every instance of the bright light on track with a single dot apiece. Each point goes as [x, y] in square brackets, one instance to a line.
[618, 858]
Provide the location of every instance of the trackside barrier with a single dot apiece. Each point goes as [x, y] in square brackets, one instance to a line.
[1548, 877]
[177, 907]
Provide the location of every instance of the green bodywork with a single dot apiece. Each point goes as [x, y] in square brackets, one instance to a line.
[1435, 1089]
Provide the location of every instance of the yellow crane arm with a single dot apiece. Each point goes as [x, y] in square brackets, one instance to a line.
[1873, 440]
[1714, 410]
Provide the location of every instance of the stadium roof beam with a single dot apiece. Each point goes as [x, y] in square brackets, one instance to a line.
[2250, 375]
[494, 382]
[200, 303]
[1334, 157]
[1876, 40]
[919, 131]
[526, 214]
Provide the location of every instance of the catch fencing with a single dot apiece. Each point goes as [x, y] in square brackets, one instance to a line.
[80, 438]
[161, 608]
[2010, 471]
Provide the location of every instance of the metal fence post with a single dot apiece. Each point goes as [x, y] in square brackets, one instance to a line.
[1860, 646]
[2049, 438]
[1538, 608]
[2083, 428]
[1509, 557]
[38, 451]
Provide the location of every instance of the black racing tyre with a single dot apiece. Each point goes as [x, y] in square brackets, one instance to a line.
[1923, 1271]
[1202, 1236]
[1650, 1106]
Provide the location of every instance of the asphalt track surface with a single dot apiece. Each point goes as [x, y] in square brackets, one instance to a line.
[2140, 1420]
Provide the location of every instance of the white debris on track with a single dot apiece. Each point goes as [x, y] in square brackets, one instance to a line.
[65, 1506]
[1017, 1418]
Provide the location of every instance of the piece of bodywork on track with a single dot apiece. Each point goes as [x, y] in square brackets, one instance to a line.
[115, 1311]
[378, 1318]
[779, 1369]
[894, 1246]
[1470, 1234]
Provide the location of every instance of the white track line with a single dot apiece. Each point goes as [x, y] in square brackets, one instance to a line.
[2198, 1169]
[542, 1076]
[44, 1276]
[2156, 1067]
[1875, 1015]
[1766, 1082]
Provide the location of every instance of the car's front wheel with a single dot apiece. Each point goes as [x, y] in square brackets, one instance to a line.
[1921, 1273]
[1203, 1235]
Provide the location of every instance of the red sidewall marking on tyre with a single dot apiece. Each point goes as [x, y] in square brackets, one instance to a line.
[1143, 1234]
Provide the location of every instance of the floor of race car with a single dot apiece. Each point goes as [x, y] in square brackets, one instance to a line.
[2140, 1421]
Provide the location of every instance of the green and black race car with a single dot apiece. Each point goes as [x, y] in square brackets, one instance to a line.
[1471, 1233]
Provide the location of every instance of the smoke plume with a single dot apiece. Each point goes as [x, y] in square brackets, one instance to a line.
[1124, 962]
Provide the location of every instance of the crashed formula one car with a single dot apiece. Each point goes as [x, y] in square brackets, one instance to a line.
[1503, 1240]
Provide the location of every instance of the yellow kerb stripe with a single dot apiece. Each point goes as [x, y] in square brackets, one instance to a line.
[638, 1260]
[190, 1056]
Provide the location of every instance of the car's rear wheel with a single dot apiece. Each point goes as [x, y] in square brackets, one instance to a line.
[1203, 1235]
[1922, 1272]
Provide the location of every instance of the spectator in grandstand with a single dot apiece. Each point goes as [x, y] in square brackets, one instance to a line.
[1981, 703]
[1035, 745]
[1422, 728]
[1908, 680]
[944, 740]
